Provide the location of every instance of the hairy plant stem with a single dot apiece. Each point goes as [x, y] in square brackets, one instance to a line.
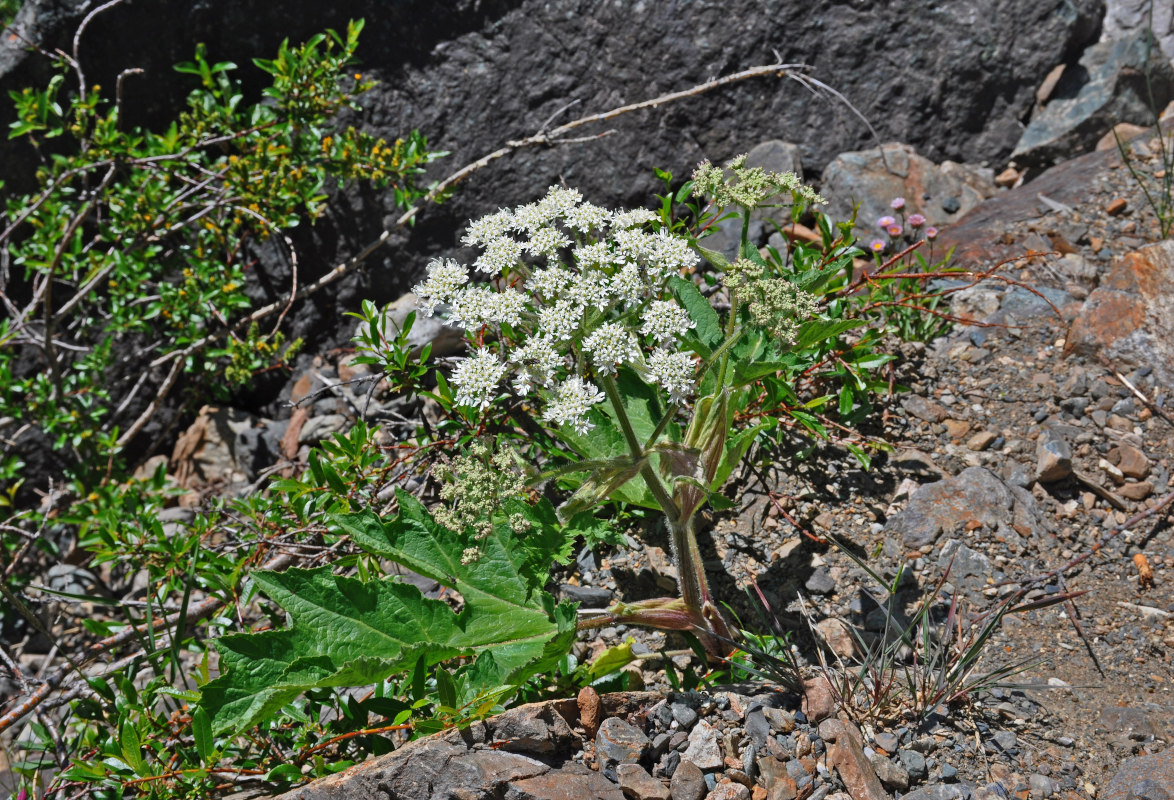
[687, 555]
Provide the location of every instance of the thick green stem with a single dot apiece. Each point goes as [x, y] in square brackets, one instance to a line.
[663, 498]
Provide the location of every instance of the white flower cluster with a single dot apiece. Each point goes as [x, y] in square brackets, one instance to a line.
[574, 289]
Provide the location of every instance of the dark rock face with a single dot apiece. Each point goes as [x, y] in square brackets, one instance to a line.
[952, 78]
[1108, 86]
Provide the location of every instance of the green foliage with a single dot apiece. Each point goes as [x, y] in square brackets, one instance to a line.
[348, 632]
[134, 246]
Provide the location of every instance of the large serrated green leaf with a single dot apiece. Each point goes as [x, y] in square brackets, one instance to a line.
[346, 632]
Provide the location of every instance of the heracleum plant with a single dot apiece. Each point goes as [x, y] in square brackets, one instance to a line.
[587, 311]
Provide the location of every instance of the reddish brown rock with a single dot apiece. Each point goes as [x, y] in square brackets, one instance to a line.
[1128, 318]
[846, 756]
[819, 699]
[1131, 461]
[590, 710]
[1136, 491]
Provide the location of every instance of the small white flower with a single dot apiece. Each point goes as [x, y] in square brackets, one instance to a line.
[573, 399]
[549, 282]
[511, 304]
[635, 244]
[485, 230]
[611, 345]
[445, 278]
[561, 320]
[664, 319]
[591, 288]
[474, 307]
[547, 242]
[531, 217]
[629, 219]
[628, 285]
[537, 361]
[597, 254]
[587, 216]
[674, 371]
[671, 254]
[500, 254]
[560, 202]
[477, 377]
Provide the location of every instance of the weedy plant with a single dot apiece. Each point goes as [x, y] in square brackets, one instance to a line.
[598, 367]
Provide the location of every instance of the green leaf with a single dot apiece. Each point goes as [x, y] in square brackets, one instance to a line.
[815, 331]
[202, 733]
[709, 326]
[613, 659]
[345, 632]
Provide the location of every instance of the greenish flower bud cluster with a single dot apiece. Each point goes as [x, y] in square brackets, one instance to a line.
[748, 187]
[774, 303]
[475, 489]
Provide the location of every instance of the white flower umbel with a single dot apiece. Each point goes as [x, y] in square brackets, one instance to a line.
[538, 361]
[500, 254]
[487, 229]
[587, 217]
[561, 321]
[573, 399]
[674, 372]
[664, 319]
[445, 279]
[611, 345]
[477, 378]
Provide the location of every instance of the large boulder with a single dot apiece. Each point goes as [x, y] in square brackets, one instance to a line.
[1127, 320]
[1108, 86]
[473, 74]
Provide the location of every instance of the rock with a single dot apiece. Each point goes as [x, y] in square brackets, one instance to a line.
[618, 742]
[1109, 87]
[941, 791]
[1127, 18]
[1122, 320]
[1053, 457]
[318, 428]
[1131, 461]
[729, 791]
[536, 729]
[688, 783]
[872, 178]
[223, 445]
[836, 634]
[1142, 778]
[892, 775]
[974, 495]
[1136, 491]
[590, 710]
[819, 700]
[637, 784]
[846, 756]
[685, 716]
[573, 782]
[914, 762]
[704, 748]
[981, 441]
[956, 429]
[781, 721]
[820, 581]
[886, 741]
[585, 596]
[924, 409]
[1123, 132]
[963, 561]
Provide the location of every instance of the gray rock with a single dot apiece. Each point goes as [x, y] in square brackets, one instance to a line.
[688, 782]
[940, 791]
[1053, 457]
[872, 178]
[1042, 786]
[891, 774]
[585, 596]
[757, 727]
[685, 716]
[914, 762]
[637, 784]
[964, 560]
[1127, 18]
[536, 729]
[618, 742]
[572, 781]
[1107, 87]
[975, 494]
[820, 582]
[704, 748]
[886, 741]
